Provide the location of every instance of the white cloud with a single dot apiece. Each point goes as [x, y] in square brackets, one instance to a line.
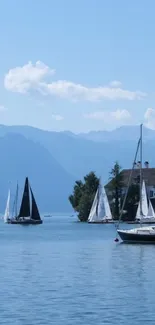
[121, 114]
[118, 115]
[115, 83]
[22, 79]
[67, 89]
[149, 117]
[34, 77]
[57, 117]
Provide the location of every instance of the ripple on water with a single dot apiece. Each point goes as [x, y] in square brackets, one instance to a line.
[69, 273]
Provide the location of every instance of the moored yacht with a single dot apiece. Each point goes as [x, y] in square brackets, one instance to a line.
[144, 213]
[138, 235]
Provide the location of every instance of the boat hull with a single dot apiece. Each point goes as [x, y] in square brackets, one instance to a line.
[143, 222]
[130, 237]
[147, 222]
[101, 221]
[25, 222]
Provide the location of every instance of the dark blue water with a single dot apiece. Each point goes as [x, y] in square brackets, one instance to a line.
[64, 272]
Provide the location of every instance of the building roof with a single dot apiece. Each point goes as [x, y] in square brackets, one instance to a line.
[148, 175]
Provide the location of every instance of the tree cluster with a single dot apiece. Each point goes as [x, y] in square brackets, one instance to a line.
[84, 193]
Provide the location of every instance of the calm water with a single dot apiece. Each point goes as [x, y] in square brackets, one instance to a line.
[64, 272]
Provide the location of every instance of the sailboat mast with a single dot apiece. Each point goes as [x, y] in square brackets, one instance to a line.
[16, 202]
[141, 157]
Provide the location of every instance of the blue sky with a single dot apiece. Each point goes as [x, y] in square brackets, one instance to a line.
[77, 65]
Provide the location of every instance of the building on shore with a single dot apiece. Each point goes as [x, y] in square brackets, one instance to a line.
[148, 175]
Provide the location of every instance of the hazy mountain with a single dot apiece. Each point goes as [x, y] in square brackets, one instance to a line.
[77, 156]
[50, 182]
[53, 160]
[127, 133]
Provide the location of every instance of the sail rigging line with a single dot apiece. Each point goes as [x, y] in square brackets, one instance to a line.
[98, 198]
[141, 180]
[129, 181]
[13, 208]
[98, 195]
[16, 201]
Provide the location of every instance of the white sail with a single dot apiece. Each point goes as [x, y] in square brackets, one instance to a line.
[106, 205]
[138, 216]
[144, 200]
[92, 214]
[151, 213]
[7, 209]
[144, 204]
[100, 208]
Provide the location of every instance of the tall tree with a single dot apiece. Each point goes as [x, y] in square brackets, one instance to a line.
[83, 195]
[116, 185]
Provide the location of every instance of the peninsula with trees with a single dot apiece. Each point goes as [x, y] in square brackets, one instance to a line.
[84, 192]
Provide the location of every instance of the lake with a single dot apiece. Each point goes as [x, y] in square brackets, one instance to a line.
[67, 272]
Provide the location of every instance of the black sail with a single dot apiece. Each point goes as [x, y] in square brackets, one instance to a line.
[25, 204]
[35, 212]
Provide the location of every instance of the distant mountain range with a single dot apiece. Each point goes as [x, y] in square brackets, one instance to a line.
[21, 157]
[53, 160]
[129, 133]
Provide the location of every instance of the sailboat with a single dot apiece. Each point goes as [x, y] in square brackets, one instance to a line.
[28, 213]
[100, 211]
[140, 234]
[151, 213]
[7, 209]
[147, 208]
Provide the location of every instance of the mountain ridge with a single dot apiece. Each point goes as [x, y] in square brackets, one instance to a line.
[68, 157]
[22, 157]
[130, 131]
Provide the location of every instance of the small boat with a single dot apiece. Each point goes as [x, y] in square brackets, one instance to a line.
[28, 213]
[140, 234]
[100, 211]
[47, 216]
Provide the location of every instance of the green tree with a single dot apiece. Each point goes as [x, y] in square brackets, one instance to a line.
[116, 185]
[83, 195]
